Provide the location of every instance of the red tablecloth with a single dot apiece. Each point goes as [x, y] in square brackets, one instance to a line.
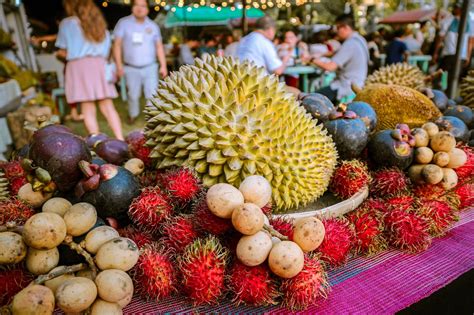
[383, 284]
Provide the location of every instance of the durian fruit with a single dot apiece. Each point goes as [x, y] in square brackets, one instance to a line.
[4, 187]
[229, 120]
[396, 104]
[467, 89]
[402, 74]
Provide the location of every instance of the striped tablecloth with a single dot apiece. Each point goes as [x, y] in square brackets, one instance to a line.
[383, 284]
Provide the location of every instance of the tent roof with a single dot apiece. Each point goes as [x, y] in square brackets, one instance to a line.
[412, 16]
[205, 16]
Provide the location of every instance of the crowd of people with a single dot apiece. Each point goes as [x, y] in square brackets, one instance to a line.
[136, 48]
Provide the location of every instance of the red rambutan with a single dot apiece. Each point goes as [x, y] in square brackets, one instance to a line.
[16, 183]
[465, 193]
[284, 225]
[374, 204]
[349, 178]
[14, 210]
[467, 170]
[203, 266]
[407, 231]
[439, 216]
[179, 232]
[149, 178]
[12, 169]
[154, 275]
[141, 238]
[268, 208]
[400, 202]
[206, 221]
[307, 287]
[338, 241]
[150, 209]
[389, 181]
[12, 280]
[252, 285]
[136, 143]
[368, 226]
[182, 185]
[436, 192]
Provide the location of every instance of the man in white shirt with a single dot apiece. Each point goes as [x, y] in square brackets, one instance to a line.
[258, 47]
[137, 46]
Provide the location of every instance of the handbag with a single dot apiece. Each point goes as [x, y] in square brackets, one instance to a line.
[110, 72]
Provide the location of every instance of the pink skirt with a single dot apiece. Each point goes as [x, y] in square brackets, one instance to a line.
[85, 81]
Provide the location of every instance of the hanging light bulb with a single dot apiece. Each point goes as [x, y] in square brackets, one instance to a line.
[157, 8]
[270, 4]
[105, 4]
[173, 9]
[126, 1]
[219, 9]
[212, 5]
[288, 4]
[264, 6]
[232, 8]
[224, 4]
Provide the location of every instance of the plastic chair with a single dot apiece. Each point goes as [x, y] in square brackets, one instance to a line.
[59, 97]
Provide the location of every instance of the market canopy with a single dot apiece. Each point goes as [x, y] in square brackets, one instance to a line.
[412, 16]
[206, 15]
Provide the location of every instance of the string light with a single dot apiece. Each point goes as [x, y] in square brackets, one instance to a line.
[264, 6]
[105, 4]
[288, 4]
[212, 5]
[224, 4]
[173, 9]
[196, 5]
[126, 1]
[189, 9]
[232, 8]
[163, 3]
[219, 9]
[157, 8]
[157, 1]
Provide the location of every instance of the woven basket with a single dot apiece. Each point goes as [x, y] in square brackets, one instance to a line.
[329, 211]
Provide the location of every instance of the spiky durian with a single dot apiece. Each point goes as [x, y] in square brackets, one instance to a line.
[229, 120]
[396, 104]
[4, 189]
[467, 89]
[399, 74]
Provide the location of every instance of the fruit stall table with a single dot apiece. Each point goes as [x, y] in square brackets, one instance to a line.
[302, 71]
[383, 284]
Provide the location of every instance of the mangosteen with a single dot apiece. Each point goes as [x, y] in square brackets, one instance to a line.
[365, 112]
[98, 161]
[440, 99]
[59, 152]
[451, 102]
[386, 151]
[93, 139]
[51, 129]
[350, 135]
[455, 126]
[113, 151]
[462, 112]
[318, 105]
[112, 194]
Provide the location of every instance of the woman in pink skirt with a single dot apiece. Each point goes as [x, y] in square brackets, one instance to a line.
[84, 41]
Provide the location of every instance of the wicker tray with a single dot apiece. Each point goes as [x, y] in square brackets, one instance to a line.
[328, 206]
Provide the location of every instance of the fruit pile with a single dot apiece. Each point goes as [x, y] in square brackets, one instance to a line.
[61, 232]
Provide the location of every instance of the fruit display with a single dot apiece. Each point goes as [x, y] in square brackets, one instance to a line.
[194, 121]
[398, 104]
[467, 89]
[402, 74]
[455, 126]
[318, 105]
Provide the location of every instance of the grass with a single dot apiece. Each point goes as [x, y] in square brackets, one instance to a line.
[121, 106]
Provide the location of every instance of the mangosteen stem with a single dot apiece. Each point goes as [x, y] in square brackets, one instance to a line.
[11, 227]
[59, 272]
[81, 251]
[274, 232]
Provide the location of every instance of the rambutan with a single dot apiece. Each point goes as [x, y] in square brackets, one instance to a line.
[368, 226]
[407, 231]
[203, 266]
[136, 143]
[179, 232]
[149, 178]
[466, 171]
[12, 280]
[436, 192]
[14, 210]
[349, 178]
[465, 193]
[182, 185]
[284, 225]
[154, 275]
[267, 209]
[12, 169]
[206, 221]
[338, 241]
[141, 238]
[307, 287]
[150, 209]
[252, 285]
[400, 202]
[387, 182]
[16, 183]
[374, 204]
[438, 215]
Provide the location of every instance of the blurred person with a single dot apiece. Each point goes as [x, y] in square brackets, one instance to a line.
[374, 41]
[350, 62]
[297, 50]
[448, 38]
[209, 47]
[137, 46]
[186, 56]
[83, 40]
[258, 47]
[396, 49]
[231, 47]
[413, 44]
[318, 46]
